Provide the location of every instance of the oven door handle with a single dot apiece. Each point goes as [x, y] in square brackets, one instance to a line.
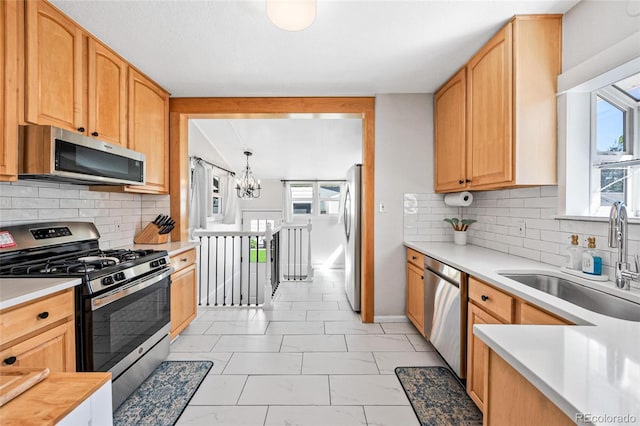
[134, 287]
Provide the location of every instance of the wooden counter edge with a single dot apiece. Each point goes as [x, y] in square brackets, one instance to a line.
[51, 400]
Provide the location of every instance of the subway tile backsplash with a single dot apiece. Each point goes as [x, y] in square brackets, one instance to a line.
[501, 214]
[118, 216]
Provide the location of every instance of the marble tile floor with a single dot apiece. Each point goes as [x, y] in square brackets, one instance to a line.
[308, 362]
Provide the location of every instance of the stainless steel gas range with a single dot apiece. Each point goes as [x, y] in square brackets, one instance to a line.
[122, 306]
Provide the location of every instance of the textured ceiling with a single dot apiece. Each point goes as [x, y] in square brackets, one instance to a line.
[229, 48]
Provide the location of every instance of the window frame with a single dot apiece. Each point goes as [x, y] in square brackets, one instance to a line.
[631, 116]
[315, 197]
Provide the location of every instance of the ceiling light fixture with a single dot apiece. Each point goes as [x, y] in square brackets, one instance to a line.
[291, 15]
[247, 187]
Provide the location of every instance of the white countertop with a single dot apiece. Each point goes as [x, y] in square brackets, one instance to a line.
[14, 291]
[593, 367]
[172, 248]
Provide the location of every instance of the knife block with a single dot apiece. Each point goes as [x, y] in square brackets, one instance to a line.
[150, 235]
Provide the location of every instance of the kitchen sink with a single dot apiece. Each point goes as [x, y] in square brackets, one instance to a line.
[588, 298]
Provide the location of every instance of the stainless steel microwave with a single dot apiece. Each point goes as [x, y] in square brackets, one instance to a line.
[48, 152]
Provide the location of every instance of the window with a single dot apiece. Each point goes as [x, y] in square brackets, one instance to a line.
[615, 149]
[257, 245]
[216, 196]
[315, 198]
[329, 198]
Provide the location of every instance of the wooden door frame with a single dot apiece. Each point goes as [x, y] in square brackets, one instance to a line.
[183, 109]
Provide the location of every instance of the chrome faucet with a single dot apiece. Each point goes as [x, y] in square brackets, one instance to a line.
[618, 238]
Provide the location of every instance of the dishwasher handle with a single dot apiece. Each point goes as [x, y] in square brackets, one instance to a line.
[442, 276]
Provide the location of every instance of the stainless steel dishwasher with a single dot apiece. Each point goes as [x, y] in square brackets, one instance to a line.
[445, 312]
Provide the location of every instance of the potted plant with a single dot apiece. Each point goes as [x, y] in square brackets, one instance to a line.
[460, 229]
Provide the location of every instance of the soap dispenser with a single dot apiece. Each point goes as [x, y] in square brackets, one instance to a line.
[591, 260]
[574, 258]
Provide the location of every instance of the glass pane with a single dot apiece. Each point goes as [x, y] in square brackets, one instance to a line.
[302, 207]
[215, 185]
[610, 123]
[329, 206]
[630, 86]
[612, 186]
[301, 190]
[216, 206]
[329, 191]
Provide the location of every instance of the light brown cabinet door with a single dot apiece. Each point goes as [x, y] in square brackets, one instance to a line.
[54, 68]
[149, 131]
[531, 315]
[476, 351]
[415, 296]
[183, 299]
[450, 135]
[9, 90]
[107, 102]
[489, 113]
[53, 349]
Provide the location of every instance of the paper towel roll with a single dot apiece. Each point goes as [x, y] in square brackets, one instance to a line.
[459, 199]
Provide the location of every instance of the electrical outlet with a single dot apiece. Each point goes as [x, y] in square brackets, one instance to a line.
[381, 208]
[522, 228]
[118, 227]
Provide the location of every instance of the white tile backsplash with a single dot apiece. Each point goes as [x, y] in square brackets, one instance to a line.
[118, 216]
[500, 214]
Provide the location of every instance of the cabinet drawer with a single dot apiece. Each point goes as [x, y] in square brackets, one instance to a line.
[415, 257]
[184, 259]
[27, 318]
[491, 300]
[533, 315]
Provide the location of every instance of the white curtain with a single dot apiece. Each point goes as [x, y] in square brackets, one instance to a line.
[287, 209]
[199, 198]
[230, 201]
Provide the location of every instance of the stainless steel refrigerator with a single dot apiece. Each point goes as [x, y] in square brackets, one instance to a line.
[352, 231]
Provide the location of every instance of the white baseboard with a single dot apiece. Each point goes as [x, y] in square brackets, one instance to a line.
[390, 318]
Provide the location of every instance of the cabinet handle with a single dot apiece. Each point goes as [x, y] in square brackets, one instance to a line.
[10, 360]
[94, 134]
[468, 180]
[413, 257]
[460, 181]
[484, 298]
[184, 259]
[422, 277]
[43, 315]
[81, 129]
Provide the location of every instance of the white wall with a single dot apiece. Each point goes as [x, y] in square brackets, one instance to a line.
[403, 164]
[594, 25]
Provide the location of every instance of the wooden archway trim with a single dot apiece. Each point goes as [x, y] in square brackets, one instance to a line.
[182, 109]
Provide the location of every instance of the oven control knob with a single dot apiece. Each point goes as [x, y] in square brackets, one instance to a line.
[155, 264]
[163, 261]
[107, 280]
[119, 276]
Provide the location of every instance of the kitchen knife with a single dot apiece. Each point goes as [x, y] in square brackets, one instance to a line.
[157, 219]
[165, 229]
[164, 221]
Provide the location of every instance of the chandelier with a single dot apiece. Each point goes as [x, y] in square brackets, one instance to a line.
[247, 186]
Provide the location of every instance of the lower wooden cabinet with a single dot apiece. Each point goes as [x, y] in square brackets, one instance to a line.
[513, 400]
[183, 291]
[44, 336]
[476, 354]
[415, 296]
[489, 305]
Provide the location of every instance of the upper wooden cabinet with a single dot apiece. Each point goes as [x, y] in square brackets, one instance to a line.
[9, 90]
[149, 131]
[450, 140]
[107, 101]
[54, 68]
[510, 111]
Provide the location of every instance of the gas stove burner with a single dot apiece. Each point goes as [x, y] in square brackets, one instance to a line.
[127, 255]
[99, 260]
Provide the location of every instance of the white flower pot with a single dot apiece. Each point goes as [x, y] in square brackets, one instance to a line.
[460, 238]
